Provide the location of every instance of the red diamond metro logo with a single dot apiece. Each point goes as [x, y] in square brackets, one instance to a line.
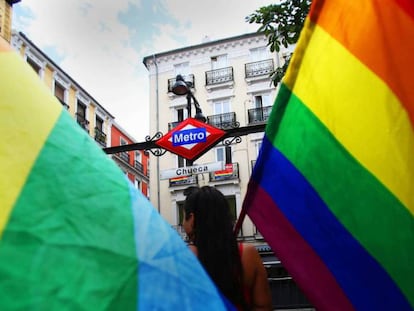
[190, 139]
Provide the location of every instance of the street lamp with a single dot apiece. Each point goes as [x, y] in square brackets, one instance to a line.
[182, 87]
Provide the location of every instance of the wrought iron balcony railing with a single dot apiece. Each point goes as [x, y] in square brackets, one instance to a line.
[171, 125]
[224, 121]
[221, 75]
[231, 171]
[259, 115]
[187, 78]
[124, 156]
[260, 68]
[100, 136]
[82, 122]
[138, 165]
[183, 180]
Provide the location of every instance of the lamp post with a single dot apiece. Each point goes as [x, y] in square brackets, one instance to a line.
[182, 87]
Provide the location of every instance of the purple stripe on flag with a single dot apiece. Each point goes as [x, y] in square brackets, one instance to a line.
[294, 250]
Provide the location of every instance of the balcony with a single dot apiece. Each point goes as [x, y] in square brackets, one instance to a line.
[230, 172]
[223, 121]
[124, 156]
[259, 115]
[82, 122]
[219, 76]
[138, 165]
[172, 125]
[187, 78]
[260, 68]
[100, 136]
[183, 180]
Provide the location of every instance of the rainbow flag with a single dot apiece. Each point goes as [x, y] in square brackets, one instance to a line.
[332, 191]
[227, 172]
[74, 233]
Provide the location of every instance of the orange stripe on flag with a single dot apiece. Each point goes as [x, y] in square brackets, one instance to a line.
[387, 51]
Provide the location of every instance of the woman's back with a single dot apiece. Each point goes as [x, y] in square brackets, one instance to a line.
[238, 273]
[257, 291]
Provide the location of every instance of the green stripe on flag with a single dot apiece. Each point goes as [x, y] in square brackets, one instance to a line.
[75, 244]
[369, 211]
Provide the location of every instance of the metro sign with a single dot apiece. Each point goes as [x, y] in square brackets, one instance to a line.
[190, 138]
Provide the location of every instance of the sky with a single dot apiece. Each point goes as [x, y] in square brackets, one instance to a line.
[101, 43]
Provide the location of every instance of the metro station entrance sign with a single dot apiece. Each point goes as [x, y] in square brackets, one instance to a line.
[190, 139]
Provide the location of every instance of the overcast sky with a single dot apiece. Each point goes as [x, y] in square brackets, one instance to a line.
[101, 43]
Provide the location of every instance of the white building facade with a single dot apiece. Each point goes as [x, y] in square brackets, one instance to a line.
[230, 80]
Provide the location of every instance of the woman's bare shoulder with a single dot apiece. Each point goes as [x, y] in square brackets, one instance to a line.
[250, 254]
[250, 249]
[193, 248]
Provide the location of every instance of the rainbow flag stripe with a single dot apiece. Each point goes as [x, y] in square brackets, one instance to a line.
[74, 233]
[337, 206]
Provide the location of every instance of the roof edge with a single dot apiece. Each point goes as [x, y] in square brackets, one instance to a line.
[64, 72]
[200, 45]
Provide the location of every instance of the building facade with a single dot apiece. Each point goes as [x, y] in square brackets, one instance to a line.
[6, 7]
[134, 164]
[89, 114]
[98, 122]
[230, 80]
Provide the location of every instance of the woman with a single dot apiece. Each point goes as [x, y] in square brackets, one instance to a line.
[236, 269]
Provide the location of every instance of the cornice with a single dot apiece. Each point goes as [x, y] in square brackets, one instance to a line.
[211, 49]
[205, 48]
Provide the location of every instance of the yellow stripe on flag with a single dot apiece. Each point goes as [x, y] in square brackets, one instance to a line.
[23, 96]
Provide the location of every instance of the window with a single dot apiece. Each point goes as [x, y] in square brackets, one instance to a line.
[180, 208]
[81, 115]
[219, 61]
[223, 117]
[182, 69]
[81, 110]
[258, 54]
[138, 184]
[99, 123]
[182, 114]
[182, 162]
[124, 154]
[262, 108]
[60, 91]
[220, 107]
[258, 147]
[138, 156]
[224, 154]
[34, 65]
[231, 201]
[100, 136]
[261, 101]
[122, 141]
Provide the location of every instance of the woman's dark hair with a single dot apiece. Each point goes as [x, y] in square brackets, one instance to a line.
[216, 244]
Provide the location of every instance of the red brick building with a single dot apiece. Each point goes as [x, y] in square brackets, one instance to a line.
[133, 163]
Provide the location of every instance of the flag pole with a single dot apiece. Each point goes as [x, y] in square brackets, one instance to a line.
[239, 222]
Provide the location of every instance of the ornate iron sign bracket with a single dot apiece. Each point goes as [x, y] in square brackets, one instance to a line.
[231, 136]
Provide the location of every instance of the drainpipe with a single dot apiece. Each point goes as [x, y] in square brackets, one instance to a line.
[157, 118]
